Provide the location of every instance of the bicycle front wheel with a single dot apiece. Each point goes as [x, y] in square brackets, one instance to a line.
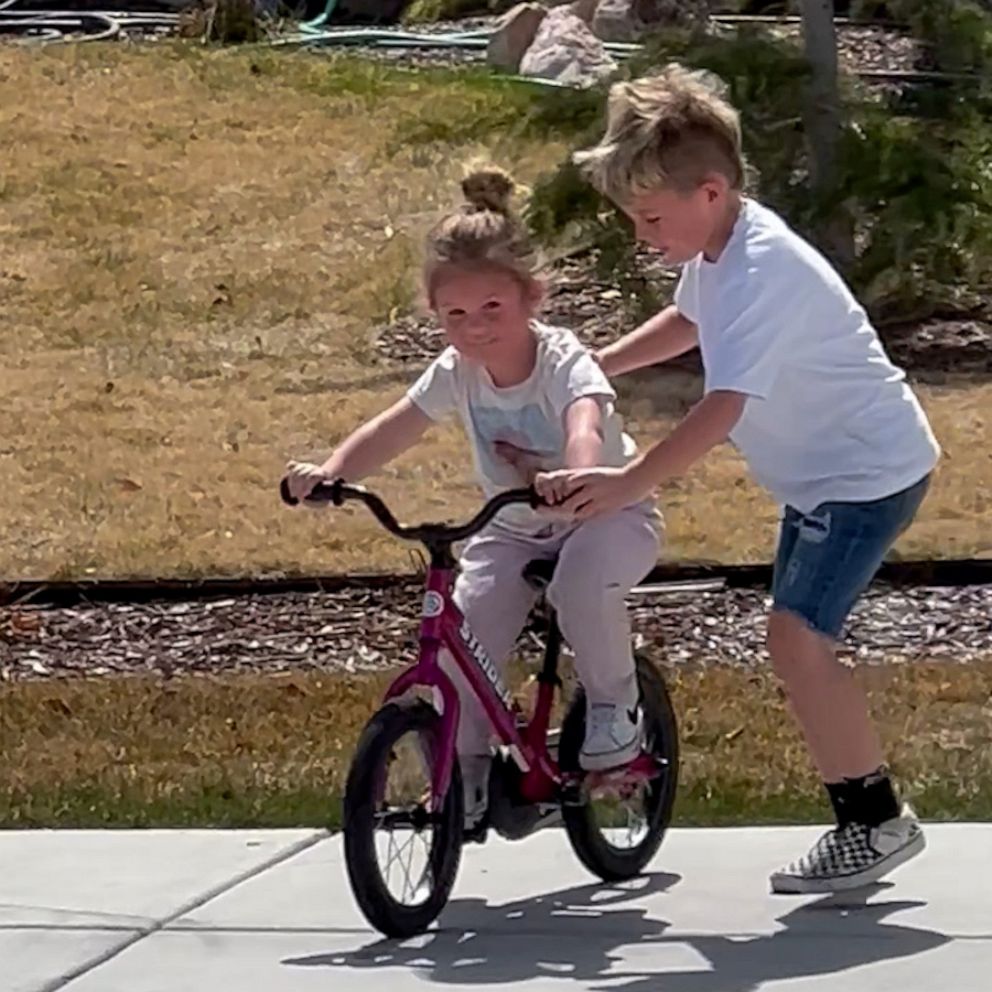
[401, 857]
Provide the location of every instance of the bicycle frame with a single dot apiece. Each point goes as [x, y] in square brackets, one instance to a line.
[443, 626]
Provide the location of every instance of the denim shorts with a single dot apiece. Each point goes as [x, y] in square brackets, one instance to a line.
[826, 559]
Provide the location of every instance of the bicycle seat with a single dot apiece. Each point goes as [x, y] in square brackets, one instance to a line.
[539, 572]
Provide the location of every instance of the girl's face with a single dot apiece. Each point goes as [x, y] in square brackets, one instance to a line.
[486, 312]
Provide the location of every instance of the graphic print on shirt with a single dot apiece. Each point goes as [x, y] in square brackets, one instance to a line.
[526, 427]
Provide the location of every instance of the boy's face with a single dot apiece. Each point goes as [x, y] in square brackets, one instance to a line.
[676, 224]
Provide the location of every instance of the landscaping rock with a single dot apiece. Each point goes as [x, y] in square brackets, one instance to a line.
[566, 51]
[514, 36]
[584, 10]
[615, 20]
[629, 20]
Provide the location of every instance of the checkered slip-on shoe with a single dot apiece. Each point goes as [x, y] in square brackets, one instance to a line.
[853, 856]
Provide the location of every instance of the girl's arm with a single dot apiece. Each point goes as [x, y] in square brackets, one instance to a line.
[666, 335]
[583, 433]
[583, 441]
[604, 490]
[369, 448]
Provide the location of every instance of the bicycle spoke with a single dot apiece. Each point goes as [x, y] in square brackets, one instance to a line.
[621, 818]
[389, 861]
[427, 849]
[406, 862]
[404, 868]
[631, 823]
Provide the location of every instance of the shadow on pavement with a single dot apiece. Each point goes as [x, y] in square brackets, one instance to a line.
[578, 934]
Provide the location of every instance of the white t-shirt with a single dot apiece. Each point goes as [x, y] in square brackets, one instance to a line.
[530, 415]
[828, 416]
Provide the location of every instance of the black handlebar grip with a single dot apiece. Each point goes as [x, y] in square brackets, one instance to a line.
[323, 492]
[285, 494]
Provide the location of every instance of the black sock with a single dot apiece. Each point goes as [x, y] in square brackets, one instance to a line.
[871, 800]
[837, 791]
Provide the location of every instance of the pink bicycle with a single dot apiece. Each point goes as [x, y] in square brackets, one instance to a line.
[403, 799]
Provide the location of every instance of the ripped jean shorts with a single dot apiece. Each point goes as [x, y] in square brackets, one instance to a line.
[826, 559]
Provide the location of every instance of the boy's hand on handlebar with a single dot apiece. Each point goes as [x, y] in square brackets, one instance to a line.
[553, 488]
[302, 478]
[587, 492]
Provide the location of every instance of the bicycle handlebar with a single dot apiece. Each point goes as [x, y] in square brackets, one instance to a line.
[339, 492]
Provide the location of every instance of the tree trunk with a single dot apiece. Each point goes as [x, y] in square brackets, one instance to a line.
[824, 125]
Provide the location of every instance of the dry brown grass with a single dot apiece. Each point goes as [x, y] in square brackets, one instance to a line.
[255, 750]
[193, 247]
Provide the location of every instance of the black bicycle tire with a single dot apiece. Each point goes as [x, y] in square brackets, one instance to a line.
[385, 913]
[596, 854]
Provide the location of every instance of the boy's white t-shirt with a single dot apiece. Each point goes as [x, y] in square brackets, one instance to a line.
[828, 416]
[530, 415]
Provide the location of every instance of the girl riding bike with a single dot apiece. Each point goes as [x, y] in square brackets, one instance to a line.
[531, 399]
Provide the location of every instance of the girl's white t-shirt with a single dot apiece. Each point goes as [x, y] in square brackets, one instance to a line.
[530, 415]
[828, 416]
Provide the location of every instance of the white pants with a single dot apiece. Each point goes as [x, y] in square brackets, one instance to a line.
[599, 561]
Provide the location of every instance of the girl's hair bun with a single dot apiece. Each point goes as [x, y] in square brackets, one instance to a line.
[488, 188]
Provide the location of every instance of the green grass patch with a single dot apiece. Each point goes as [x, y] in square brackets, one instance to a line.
[252, 751]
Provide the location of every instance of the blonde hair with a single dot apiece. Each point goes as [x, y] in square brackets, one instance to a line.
[672, 130]
[483, 231]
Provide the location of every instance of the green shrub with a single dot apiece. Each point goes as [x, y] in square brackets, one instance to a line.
[923, 197]
[919, 186]
[957, 32]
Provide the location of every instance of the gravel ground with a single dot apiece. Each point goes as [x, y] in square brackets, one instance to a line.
[372, 630]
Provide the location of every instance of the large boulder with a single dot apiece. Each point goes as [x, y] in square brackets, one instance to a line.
[565, 50]
[514, 35]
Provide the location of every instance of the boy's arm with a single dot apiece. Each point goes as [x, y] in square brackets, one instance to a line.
[366, 450]
[603, 490]
[665, 336]
[705, 426]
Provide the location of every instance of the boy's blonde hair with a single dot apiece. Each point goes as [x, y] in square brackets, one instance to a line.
[484, 231]
[668, 130]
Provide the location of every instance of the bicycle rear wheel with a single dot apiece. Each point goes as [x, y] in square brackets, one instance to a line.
[616, 834]
[387, 816]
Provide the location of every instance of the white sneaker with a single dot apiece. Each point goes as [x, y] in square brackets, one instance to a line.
[475, 785]
[853, 856]
[613, 736]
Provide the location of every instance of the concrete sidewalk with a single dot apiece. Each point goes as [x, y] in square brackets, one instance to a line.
[212, 911]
